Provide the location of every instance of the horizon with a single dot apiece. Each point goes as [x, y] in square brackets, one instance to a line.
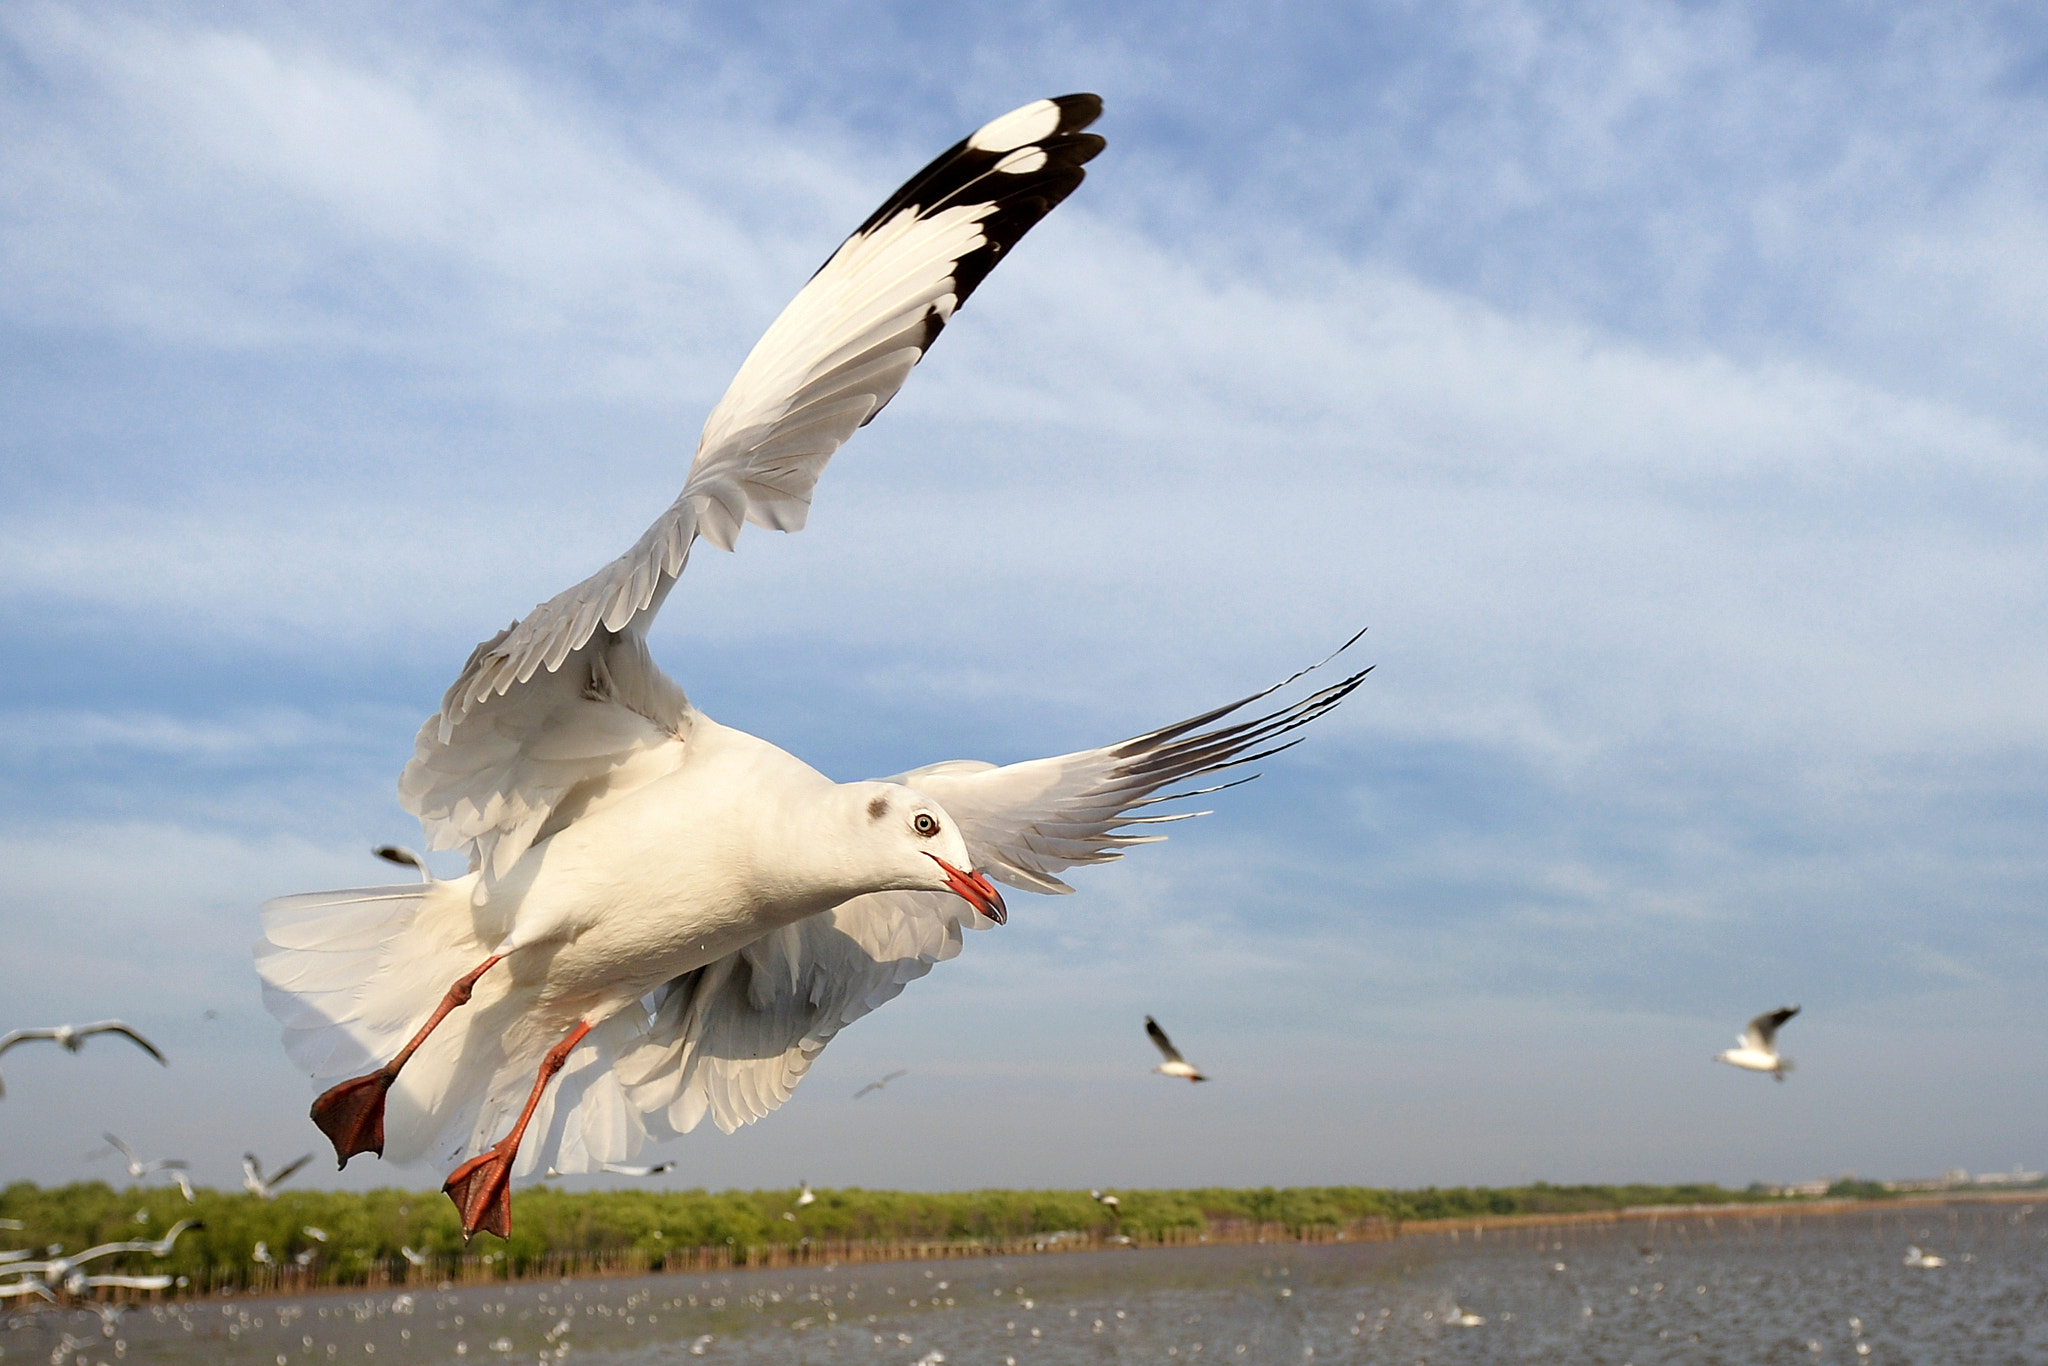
[1657, 384]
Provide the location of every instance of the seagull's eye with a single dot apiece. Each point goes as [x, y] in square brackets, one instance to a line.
[925, 824]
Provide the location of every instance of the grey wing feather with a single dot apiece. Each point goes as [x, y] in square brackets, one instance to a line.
[1024, 823]
[118, 1027]
[1763, 1030]
[1159, 1038]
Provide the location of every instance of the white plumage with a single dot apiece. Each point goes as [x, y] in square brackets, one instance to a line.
[1756, 1047]
[676, 915]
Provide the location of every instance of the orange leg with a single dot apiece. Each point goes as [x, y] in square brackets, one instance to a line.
[352, 1113]
[482, 1187]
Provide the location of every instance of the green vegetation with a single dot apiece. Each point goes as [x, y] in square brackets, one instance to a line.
[557, 1231]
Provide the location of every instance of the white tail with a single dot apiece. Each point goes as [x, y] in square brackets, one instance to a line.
[353, 974]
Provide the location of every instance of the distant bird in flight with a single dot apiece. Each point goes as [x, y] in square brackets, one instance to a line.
[805, 1195]
[138, 1168]
[1108, 1202]
[622, 1169]
[1758, 1045]
[1175, 1065]
[414, 1258]
[878, 1085]
[73, 1038]
[264, 1188]
[184, 1183]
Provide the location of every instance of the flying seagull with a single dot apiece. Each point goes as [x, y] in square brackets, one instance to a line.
[686, 914]
[137, 1168]
[1108, 1202]
[1175, 1065]
[878, 1085]
[262, 1187]
[1757, 1049]
[73, 1038]
[806, 1196]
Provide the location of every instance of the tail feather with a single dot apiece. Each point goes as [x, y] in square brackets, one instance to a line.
[353, 974]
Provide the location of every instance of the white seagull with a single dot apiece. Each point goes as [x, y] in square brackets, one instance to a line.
[73, 1037]
[1925, 1260]
[1175, 1065]
[806, 1196]
[686, 915]
[878, 1085]
[137, 1168]
[262, 1187]
[1757, 1049]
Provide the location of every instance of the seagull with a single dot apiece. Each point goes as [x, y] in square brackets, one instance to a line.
[27, 1285]
[63, 1270]
[1108, 1202]
[1915, 1257]
[260, 1254]
[623, 1169]
[1758, 1045]
[138, 1168]
[805, 1195]
[184, 1183]
[122, 1282]
[413, 1258]
[878, 1085]
[254, 1182]
[318, 1235]
[686, 914]
[1175, 1065]
[73, 1038]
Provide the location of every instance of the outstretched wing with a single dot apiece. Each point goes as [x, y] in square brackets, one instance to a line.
[283, 1174]
[733, 1038]
[125, 1031]
[1161, 1042]
[1763, 1030]
[827, 365]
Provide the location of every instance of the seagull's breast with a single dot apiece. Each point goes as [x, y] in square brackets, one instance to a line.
[683, 871]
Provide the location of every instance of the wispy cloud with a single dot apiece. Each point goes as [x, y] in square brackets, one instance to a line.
[1658, 382]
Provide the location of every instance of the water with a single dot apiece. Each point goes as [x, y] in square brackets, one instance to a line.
[1690, 1289]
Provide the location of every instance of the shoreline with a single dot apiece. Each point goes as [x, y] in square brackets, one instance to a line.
[831, 1255]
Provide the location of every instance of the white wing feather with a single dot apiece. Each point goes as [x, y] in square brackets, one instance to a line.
[733, 1039]
[826, 365]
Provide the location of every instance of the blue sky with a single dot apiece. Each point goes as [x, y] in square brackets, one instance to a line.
[1659, 383]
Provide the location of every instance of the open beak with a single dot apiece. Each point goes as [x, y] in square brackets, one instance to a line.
[975, 889]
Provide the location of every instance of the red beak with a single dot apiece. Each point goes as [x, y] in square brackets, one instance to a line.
[976, 890]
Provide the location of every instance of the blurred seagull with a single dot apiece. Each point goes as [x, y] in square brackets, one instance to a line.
[121, 1282]
[1758, 1050]
[184, 1183]
[254, 1182]
[138, 1168]
[1108, 1202]
[1175, 1065]
[805, 1195]
[687, 914]
[622, 1169]
[260, 1254]
[73, 1038]
[318, 1235]
[878, 1085]
[1915, 1257]
[413, 1258]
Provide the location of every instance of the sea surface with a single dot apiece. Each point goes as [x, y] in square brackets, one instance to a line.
[1683, 1288]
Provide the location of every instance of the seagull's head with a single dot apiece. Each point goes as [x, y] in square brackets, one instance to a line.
[921, 846]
